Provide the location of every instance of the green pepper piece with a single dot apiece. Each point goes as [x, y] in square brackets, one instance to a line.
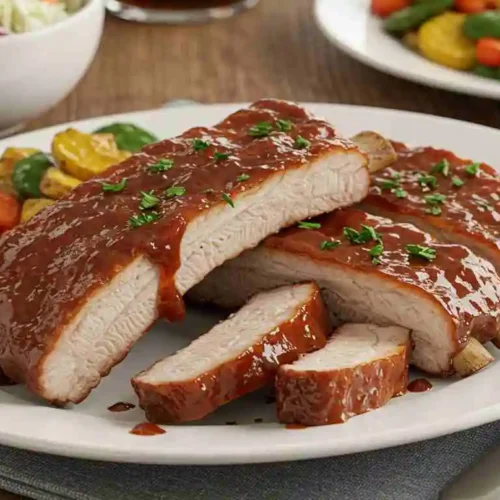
[412, 17]
[487, 72]
[128, 137]
[482, 25]
[28, 173]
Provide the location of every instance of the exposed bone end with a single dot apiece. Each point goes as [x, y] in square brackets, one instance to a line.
[380, 152]
[472, 359]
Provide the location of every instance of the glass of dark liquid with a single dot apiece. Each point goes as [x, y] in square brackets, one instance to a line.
[177, 11]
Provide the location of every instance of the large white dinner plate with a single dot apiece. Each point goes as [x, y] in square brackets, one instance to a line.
[350, 25]
[89, 430]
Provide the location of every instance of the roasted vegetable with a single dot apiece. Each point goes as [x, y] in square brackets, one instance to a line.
[441, 39]
[412, 17]
[487, 72]
[7, 162]
[129, 137]
[56, 183]
[18, 153]
[484, 25]
[384, 8]
[33, 206]
[28, 173]
[472, 6]
[410, 39]
[488, 52]
[85, 155]
[10, 211]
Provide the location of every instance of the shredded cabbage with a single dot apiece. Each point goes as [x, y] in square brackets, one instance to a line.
[20, 16]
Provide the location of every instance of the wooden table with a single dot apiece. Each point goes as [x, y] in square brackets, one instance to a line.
[274, 50]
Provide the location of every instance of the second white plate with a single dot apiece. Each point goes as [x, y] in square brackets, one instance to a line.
[350, 25]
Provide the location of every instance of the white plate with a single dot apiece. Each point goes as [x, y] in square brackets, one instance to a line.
[91, 431]
[350, 25]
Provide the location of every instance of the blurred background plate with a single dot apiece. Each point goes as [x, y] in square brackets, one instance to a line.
[350, 25]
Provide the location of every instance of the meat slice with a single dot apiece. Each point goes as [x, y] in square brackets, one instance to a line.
[361, 368]
[454, 199]
[237, 356]
[82, 281]
[443, 300]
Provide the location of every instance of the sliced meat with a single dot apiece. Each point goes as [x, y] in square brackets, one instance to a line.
[443, 300]
[454, 199]
[236, 357]
[361, 368]
[82, 281]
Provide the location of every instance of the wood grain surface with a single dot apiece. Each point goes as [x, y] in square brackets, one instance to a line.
[274, 50]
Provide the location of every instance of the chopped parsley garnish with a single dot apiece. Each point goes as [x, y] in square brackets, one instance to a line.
[434, 210]
[227, 198]
[161, 165]
[457, 182]
[309, 225]
[262, 129]
[366, 234]
[376, 252]
[174, 191]
[242, 178]
[427, 181]
[396, 176]
[399, 192]
[221, 156]
[472, 169]
[114, 188]
[302, 143]
[388, 183]
[200, 144]
[435, 199]
[442, 167]
[329, 244]
[140, 220]
[148, 200]
[421, 251]
[284, 125]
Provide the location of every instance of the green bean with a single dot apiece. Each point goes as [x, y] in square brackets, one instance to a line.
[412, 17]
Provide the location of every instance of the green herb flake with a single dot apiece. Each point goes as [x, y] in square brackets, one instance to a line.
[174, 191]
[428, 181]
[421, 251]
[221, 156]
[457, 182]
[388, 183]
[435, 199]
[242, 178]
[434, 210]
[227, 198]
[366, 234]
[442, 167]
[200, 144]
[329, 244]
[376, 252]
[396, 176]
[148, 200]
[309, 225]
[161, 165]
[302, 143]
[399, 192]
[262, 129]
[472, 169]
[142, 219]
[114, 188]
[284, 125]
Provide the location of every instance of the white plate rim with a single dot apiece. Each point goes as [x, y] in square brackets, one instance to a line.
[482, 87]
[304, 444]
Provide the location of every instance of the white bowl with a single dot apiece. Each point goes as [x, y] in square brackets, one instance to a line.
[38, 69]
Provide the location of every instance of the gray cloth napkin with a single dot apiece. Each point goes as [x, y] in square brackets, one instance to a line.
[414, 472]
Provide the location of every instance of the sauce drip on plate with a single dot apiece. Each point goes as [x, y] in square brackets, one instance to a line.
[147, 429]
[419, 385]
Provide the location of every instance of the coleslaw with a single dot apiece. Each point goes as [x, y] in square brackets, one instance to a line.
[21, 16]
